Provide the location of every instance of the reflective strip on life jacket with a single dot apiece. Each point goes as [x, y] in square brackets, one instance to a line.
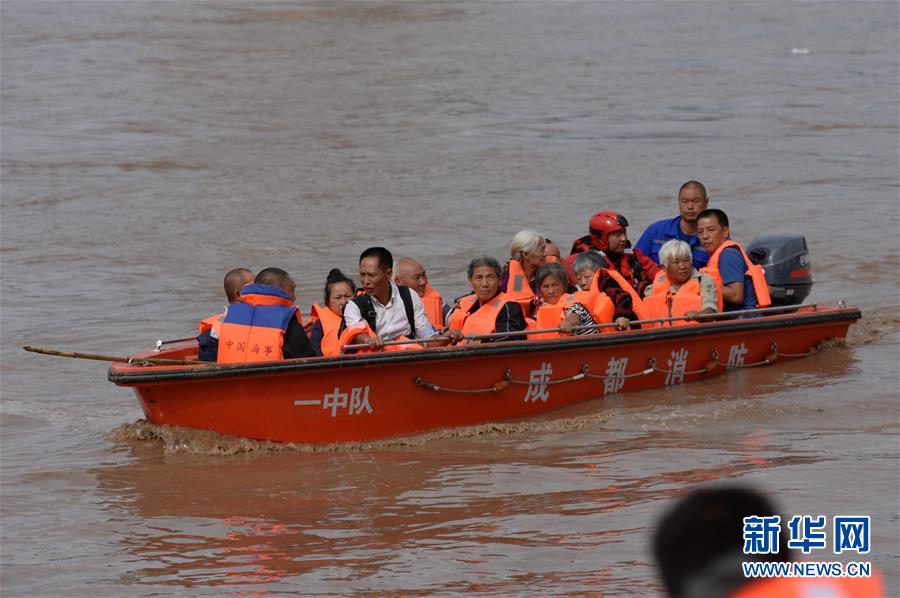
[518, 289]
[331, 323]
[434, 307]
[254, 327]
[754, 271]
[662, 304]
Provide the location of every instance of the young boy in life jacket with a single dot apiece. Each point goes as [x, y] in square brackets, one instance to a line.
[741, 283]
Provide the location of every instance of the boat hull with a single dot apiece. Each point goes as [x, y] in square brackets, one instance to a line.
[365, 397]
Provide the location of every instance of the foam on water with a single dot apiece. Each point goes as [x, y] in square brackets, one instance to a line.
[177, 439]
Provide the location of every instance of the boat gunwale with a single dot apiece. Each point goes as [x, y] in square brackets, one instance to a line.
[144, 375]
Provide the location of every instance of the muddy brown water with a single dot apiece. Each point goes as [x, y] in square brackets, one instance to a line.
[147, 147]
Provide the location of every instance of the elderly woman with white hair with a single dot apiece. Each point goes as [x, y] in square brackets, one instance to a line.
[680, 291]
[526, 256]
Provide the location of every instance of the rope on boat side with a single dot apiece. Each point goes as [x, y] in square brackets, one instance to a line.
[774, 348]
[586, 373]
[705, 369]
[579, 376]
[493, 388]
[770, 358]
[646, 372]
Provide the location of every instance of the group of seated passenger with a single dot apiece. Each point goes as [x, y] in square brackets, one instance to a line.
[681, 270]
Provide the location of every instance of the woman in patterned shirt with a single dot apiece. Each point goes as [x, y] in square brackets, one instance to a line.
[553, 284]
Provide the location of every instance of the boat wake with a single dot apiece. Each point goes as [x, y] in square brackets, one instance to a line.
[874, 325]
[176, 439]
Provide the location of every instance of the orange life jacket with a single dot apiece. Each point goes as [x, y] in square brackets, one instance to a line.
[755, 271]
[434, 307]
[550, 316]
[331, 323]
[518, 289]
[254, 327]
[212, 323]
[483, 321]
[551, 259]
[599, 304]
[348, 337]
[798, 587]
[662, 304]
[637, 304]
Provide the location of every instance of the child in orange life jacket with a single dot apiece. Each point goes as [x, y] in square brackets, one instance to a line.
[208, 339]
[680, 290]
[327, 315]
[410, 273]
[527, 253]
[559, 308]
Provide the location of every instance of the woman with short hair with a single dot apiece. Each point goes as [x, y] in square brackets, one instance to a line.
[595, 284]
[487, 310]
[327, 315]
[559, 308]
[680, 290]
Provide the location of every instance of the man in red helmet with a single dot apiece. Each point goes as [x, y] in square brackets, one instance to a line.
[608, 235]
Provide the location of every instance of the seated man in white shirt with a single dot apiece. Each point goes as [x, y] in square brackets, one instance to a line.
[391, 311]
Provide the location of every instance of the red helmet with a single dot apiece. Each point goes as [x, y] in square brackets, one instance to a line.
[604, 223]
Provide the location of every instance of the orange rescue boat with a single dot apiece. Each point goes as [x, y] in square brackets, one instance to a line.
[377, 395]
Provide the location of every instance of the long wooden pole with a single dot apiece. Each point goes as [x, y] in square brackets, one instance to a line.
[97, 357]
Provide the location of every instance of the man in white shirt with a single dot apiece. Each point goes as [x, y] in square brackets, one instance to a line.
[391, 311]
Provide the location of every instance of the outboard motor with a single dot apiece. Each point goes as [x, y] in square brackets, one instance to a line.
[785, 260]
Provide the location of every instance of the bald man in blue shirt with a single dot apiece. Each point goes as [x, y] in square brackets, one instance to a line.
[692, 200]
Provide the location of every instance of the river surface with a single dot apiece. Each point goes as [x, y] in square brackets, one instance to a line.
[148, 147]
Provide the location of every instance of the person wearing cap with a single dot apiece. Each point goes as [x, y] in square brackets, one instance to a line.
[607, 234]
[692, 200]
